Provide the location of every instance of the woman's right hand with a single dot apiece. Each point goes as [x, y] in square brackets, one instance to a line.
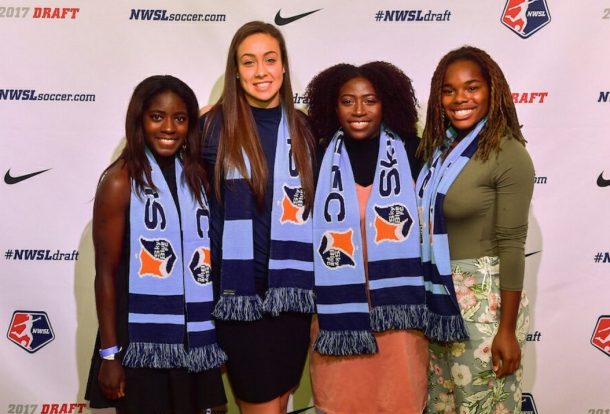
[112, 379]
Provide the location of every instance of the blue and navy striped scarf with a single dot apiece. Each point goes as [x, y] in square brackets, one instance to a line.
[396, 282]
[290, 277]
[170, 284]
[445, 322]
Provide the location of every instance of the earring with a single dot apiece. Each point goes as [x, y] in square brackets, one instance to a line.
[184, 146]
[237, 76]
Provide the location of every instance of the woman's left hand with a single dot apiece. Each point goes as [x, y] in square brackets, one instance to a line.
[505, 353]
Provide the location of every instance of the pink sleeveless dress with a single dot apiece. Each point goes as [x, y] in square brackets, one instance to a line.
[393, 381]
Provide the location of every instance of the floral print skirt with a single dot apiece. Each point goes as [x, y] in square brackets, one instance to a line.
[461, 379]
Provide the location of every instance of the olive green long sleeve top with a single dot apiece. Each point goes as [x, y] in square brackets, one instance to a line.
[486, 210]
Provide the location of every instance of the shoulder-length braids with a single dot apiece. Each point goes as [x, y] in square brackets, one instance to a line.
[502, 116]
[238, 130]
[133, 155]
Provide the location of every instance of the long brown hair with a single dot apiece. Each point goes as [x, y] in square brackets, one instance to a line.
[502, 116]
[238, 130]
[133, 155]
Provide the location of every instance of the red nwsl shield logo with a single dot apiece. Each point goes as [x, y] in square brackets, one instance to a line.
[525, 17]
[527, 404]
[157, 258]
[201, 266]
[337, 249]
[601, 335]
[30, 330]
[293, 206]
[392, 223]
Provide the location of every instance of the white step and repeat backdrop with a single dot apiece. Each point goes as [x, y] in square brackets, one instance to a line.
[67, 70]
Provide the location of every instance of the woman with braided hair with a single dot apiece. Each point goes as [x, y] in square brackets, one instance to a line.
[474, 193]
[369, 354]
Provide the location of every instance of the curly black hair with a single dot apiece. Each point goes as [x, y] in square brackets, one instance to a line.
[391, 85]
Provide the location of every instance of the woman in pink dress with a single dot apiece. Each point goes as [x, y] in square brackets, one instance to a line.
[369, 354]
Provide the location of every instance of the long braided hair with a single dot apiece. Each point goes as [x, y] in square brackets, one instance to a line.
[502, 116]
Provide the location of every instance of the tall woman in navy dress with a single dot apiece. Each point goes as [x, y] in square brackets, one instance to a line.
[258, 151]
[157, 346]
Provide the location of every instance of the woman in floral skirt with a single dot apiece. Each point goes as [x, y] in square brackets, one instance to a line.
[474, 194]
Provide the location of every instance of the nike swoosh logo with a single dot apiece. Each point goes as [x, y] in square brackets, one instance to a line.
[282, 21]
[10, 180]
[301, 411]
[601, 182]
[533, 253]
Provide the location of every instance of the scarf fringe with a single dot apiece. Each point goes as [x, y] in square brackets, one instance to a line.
[289, 299]
[388, 317]
[345, 343]
[165, 356]
[205, 358]
[151, 355]
[238, 308]
[446, 328]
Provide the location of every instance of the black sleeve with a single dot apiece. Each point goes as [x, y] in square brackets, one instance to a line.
[411, 144]
[318, 151]
[210, 140]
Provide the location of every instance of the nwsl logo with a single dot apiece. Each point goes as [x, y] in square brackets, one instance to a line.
[601, 335]
[157, 258]
[528, 406]
[293, 206]
[30, 330]
[526, 17]
[392, 223]
[337, 249]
